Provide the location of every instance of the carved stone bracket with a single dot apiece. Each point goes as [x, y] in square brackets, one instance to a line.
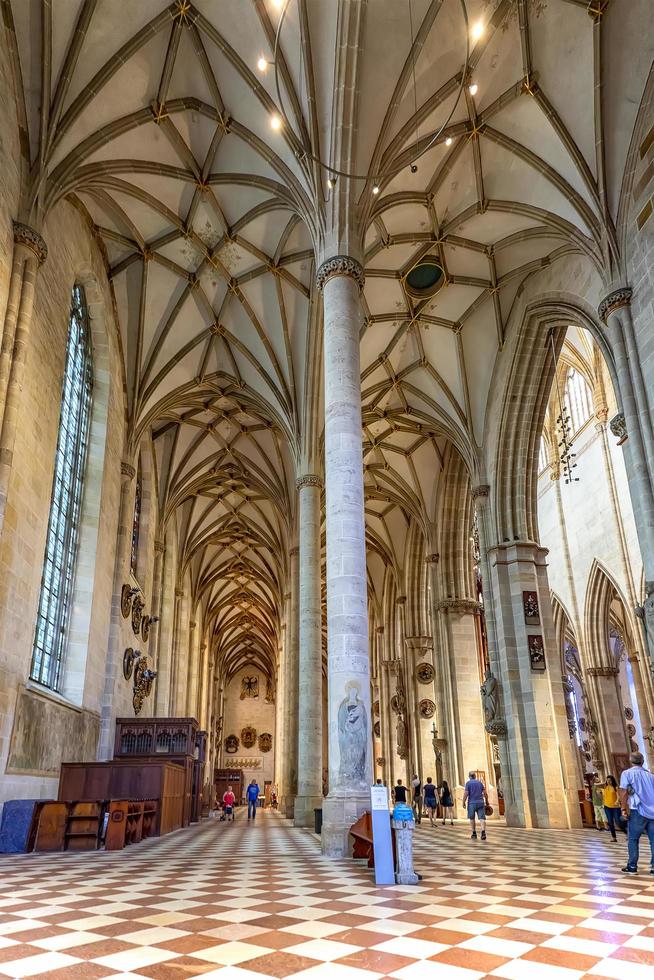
[482, 490]
[294, 551]
[496, 728]
[24, 235]
[309, 480]
[126, 469]
[614, 301]
[160, 546]
[340, 265]
[618, 427]
[602, 671]
[432, 559]
[460, 606]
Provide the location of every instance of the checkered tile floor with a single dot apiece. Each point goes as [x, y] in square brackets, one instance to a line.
[246, 902]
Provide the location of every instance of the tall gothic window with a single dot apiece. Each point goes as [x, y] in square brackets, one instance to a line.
[66, 503]
[136, 524]
[578, 398]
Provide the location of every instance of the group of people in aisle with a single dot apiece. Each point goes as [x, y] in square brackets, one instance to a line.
[252, 798]
[427, 798]
[629, 806]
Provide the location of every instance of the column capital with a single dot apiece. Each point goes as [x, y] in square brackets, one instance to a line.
[192, 624]
[482, 490]
[159, 546]
[614, 301]
[401, 600]
[379, 630]
[618, 427]
[179, 593]
[309, 480]
[602, 671]
[340, 265]
[126, 469]
[432, 559]
[287, 595]
[24, 235]
[294, 551]
[460, 606]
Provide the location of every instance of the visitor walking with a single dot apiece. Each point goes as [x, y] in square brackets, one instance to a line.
[597, 799]
[637, 799]
[399, 793]
[612, 806]
[430, 800]
[228, 804]
[417, 797]
[447, 803]
[253, 799]
[476, 799]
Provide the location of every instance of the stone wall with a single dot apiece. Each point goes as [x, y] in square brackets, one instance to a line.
[258, 714]
[73, 257]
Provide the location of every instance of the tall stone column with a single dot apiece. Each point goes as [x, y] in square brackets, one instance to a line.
[29, 252]
[121, 569]
[177, 678]
[309, 761]
[471, 748]
[615, 311]
[445, 717]
[541, 770]
[292, 634]
[350, 723]
[384, 707]
[193, 673]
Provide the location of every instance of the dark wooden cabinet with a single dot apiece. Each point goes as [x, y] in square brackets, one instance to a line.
[122, 779]
[179, 740]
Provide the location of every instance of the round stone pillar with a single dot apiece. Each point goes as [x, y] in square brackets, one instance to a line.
[309, 763]
[615, 311]
[350, 728]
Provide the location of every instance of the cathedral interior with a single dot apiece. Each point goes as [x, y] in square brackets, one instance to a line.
[326, 458]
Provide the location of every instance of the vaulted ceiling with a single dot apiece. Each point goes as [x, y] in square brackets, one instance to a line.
[156, 118]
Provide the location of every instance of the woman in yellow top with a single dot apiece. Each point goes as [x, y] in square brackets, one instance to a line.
[612, 805]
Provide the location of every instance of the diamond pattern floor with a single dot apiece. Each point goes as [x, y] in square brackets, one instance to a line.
[247, 902]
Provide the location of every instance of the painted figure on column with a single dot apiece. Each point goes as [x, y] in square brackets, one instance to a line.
[352, 735]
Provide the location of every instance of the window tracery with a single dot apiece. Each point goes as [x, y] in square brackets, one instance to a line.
[62, 538]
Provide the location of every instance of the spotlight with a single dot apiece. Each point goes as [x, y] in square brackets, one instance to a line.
[414, 168]
[262, 64]
[375, 188]
[473, 89]
[448, 141]
[477, 30]
[278, 4]
[275, 121]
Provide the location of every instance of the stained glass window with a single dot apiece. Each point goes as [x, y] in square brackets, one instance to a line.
[66, 504]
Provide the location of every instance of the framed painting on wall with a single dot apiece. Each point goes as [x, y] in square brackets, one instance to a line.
[536, 652]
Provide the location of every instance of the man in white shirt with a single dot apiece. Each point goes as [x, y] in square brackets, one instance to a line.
[637, 800]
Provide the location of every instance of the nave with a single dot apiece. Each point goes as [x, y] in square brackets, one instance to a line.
[246, 902]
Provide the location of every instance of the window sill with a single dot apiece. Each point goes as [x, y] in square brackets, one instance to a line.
[46, 692]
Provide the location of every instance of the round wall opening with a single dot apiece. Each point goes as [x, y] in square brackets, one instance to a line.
[425, 278]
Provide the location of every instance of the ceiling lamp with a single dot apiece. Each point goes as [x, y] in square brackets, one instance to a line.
[262, 64]
[448, 141]
[275, 122]
[473, 88]
[419, 146]
[477, 30]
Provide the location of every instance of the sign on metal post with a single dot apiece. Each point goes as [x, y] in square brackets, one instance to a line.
[381, 836]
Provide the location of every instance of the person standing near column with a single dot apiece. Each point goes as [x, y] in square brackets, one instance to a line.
[476, 799]
[416, 794]
[637, 800]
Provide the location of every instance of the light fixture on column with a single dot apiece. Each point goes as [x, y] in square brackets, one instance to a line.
[473, 88]
[262, 63]
[410, 154]
[566, 456]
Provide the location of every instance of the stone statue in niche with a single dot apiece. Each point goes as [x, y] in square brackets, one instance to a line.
[489, 696]
[352, 735]
[270, 691]
[249, 688]
[649, 738]
[400, 734]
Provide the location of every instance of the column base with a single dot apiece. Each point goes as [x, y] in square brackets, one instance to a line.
[304, 807]
[338, 815]
[288, 807]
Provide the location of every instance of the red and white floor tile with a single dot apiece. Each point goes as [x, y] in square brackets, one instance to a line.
[247, 902]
